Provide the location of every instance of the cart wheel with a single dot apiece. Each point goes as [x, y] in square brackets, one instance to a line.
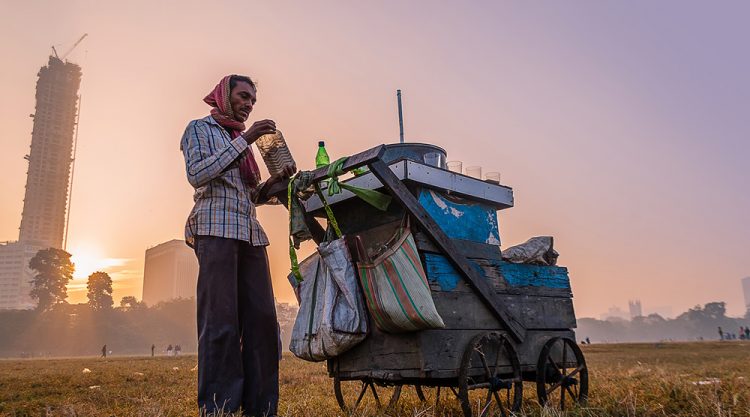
[490, 366]
[561, 374]
[351, 394]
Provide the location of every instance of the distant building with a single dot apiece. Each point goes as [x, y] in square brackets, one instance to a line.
[47, 182]
[746, 291]
[635, 309]
[170, 271]
[15, 275]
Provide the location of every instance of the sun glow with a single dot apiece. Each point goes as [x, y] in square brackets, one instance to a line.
[89, 259]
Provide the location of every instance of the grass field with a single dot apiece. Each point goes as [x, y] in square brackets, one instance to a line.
[672, 379]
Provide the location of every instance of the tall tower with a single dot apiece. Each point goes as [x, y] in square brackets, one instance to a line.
[48, 180]
[635, 308]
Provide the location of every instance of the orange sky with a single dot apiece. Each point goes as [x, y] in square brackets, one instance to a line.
[621, 128]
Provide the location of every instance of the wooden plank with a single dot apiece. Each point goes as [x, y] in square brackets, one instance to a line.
[437, 357]
[526, 275]
[495, 195]
[461, 218]
[441, 271]
[428, 354]
[383, 351]
[503, 276]
[462, 287]
[354, 161]
[410, 203]
[469, 249]
[464, 311]
[540, 291]
[425, 176]
[367, 181]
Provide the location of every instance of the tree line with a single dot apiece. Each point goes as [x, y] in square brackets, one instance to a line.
[54, 270]
[57, 328]
[698, 323]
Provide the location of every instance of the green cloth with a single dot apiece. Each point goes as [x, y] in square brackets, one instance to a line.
[292, 252]
[295, 210]
[375, 198]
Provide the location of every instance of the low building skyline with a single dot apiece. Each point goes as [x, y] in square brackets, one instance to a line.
[170, 271]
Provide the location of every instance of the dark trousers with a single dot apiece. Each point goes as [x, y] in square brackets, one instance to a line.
[238, 350]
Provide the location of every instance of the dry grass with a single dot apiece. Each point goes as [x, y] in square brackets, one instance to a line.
[626, 380]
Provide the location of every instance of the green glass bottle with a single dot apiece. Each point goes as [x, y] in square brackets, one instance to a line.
[321, 158]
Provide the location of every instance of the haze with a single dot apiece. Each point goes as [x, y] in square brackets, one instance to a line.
[622, 127]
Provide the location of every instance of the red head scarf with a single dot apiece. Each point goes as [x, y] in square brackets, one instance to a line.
[221, 111]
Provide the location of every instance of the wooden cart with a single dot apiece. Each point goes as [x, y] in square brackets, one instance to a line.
[504, 323]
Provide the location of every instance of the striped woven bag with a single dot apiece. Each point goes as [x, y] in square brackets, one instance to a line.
[395, 287]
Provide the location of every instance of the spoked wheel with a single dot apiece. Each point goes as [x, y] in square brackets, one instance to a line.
[562, 377]
[353, 395]
[489, 380]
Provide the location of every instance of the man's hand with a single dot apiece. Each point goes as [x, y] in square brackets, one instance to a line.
[258, 129]
[286, 171]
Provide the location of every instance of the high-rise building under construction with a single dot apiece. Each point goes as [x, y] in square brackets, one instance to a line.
[43, 220]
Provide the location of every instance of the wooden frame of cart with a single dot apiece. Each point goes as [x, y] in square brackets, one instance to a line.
[504, 323]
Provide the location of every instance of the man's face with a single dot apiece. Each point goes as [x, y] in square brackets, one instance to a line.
[242, 99]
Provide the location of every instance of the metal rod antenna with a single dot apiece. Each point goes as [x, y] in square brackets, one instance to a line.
[72, 173]
[400, 118]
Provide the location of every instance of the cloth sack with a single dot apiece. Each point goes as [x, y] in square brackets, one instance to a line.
[395, 287]
[331, 318]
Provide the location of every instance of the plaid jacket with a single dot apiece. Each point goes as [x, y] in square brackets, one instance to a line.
[224, 204]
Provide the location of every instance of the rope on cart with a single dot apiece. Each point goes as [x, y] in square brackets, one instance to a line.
[375, 198]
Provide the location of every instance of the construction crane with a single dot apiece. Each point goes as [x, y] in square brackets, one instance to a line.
[71, 48]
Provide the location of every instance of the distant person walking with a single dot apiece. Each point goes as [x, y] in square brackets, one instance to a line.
[169, 350]
[721, 334]
[153, 347]
[747, 333]
[104, 351]
[237, 327]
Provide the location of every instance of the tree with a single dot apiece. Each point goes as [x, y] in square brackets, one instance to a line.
[131, 303]
[100, 291]
[716, 310]
[53, 272]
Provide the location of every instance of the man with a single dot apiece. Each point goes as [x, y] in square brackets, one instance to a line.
[237, 327]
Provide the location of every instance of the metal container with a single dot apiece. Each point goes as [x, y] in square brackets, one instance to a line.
[413, 152]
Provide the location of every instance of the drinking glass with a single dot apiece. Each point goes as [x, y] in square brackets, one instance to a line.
[455, 166]
[474, 171]
[493, 177]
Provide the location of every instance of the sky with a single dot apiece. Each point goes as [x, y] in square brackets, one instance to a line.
[621, 126]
